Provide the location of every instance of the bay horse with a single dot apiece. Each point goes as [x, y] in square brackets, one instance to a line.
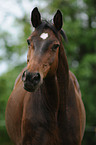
[45, 106]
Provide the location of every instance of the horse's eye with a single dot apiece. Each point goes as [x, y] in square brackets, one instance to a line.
[55, 46]
[27, 61]
[28, 41]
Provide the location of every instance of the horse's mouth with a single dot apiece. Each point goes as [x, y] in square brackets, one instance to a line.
[28, 86]
[31, 80]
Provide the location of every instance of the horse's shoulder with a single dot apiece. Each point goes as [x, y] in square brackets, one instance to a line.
[75, 82]
[19, 78]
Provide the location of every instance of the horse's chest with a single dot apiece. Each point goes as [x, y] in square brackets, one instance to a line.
[37, 131]
[37, 124]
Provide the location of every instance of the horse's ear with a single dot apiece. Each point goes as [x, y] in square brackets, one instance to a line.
[35, 17]
[58, 21]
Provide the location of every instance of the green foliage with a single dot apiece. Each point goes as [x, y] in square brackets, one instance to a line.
[4, 139]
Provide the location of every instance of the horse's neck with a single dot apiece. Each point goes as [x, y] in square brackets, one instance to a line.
[63, 77]
[50, 93]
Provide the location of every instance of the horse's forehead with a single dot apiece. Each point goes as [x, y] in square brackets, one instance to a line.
[42, 39]
[44, 35]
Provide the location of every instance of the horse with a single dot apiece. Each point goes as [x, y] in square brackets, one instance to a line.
[45, 106]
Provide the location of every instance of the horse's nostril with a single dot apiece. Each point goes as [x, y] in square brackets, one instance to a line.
[24, 76]
[36, 77]
[33, 78]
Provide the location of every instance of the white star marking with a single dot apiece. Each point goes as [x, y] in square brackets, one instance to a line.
[44, 36]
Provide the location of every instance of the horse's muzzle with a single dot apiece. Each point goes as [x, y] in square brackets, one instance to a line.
[31, 80]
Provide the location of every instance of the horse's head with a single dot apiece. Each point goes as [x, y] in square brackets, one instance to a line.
[44, 44]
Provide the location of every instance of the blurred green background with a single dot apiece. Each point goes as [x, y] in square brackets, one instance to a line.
[80, 26]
